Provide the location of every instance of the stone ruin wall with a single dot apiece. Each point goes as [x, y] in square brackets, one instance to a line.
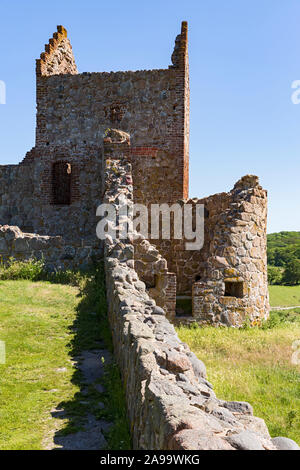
[235, 233]
[154, 176]
[171, 405]
[56, 254]
[234, 251]
[26, 195]
[152, 105]
[234, 248]
[233, 286]
[73, 112]
[152, 269]
[58, 56]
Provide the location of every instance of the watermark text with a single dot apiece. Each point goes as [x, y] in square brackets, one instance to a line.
[159, 221]
[2, 352]
[296, 353]
[2, 92]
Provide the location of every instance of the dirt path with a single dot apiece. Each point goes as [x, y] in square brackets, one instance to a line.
[285, 308]
[90, 435]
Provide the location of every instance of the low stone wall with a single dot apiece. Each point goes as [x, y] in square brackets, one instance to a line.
[56, 253]
[152, 269]
[171, 405]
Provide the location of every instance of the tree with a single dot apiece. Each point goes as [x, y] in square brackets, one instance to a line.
[274, 275]
[292, 272]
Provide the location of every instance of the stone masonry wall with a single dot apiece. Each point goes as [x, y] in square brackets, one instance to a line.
[58, 56]
[150, 266]
[171, 406]
[56, 254]
[154, 180]
[73, 112]
[152, 269]
[235, 271]
[152, 105]
[26, 194]
[234, 251]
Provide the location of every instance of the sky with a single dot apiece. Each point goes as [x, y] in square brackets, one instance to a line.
[244, 57]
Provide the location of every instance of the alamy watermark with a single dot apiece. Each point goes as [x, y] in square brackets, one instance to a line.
[157, 222]
[2, 352]
[2, 92]
[295, 96]
[296, 353]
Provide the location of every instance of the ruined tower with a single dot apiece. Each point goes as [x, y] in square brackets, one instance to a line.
[57, 188]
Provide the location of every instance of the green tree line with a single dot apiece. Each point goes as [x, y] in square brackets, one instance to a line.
[284, 258]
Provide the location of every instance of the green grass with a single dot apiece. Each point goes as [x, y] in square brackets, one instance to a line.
[284, 296]
[254, 365]
[34, 270]
[35, 322]
[45, 325]
[114, 410]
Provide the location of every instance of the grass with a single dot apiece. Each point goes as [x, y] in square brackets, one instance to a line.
[45, 325]
[254, 365]
[114, 410]
[34, 270]
[35, 322]
[93, 299]
[46, 321]
[284, 296]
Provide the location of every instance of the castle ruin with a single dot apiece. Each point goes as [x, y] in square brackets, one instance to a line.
[48, 202]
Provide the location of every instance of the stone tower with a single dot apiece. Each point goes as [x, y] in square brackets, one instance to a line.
[57, 188]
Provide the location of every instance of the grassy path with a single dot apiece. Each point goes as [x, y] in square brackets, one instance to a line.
[54, 336]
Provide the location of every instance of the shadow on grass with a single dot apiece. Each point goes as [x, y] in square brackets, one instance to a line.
[101, 398]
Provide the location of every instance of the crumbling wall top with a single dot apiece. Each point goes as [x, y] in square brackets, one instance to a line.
[248, 182]
[180, 52]
[58, 57]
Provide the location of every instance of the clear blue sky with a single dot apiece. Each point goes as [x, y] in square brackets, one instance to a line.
[244, 55]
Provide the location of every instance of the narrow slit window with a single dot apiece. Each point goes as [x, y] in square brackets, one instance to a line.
[61, 183]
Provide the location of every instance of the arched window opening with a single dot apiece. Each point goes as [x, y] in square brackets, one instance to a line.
[61, 183]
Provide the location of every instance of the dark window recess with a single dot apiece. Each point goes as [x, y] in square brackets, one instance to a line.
[61, 183]
[115, 113]
[197, 278]
[184, 307]
[151, 282]
[234, 289]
